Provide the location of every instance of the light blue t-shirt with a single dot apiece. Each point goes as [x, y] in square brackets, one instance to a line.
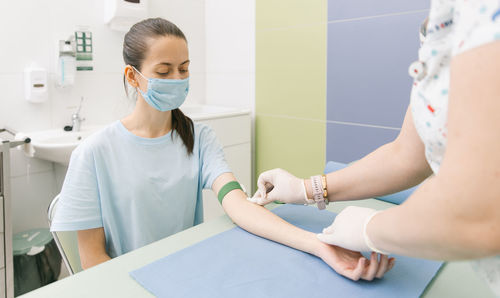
[139, 189]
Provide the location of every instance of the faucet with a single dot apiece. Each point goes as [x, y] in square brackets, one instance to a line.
[75, 118]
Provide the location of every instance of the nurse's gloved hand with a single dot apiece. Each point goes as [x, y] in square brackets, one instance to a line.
[347, 236]
[279, 185]
[348, 230]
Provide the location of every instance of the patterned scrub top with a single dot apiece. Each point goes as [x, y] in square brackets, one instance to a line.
[453, 27]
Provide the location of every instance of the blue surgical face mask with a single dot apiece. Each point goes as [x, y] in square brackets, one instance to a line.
[165, 94]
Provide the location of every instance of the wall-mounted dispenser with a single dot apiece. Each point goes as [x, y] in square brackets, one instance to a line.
[35, 84]
[66, 63]
[122, 14]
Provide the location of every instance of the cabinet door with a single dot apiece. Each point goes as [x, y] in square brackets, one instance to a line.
[1, 214]
[238, 158]
[211, 207]
[2, 251]
[2, 238]
[231, 130]
[2, 283]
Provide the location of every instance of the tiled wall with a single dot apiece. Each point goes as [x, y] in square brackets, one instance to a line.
[370, 46]
[230, 57]
[230, 52]
[30, 31]
[291, 85]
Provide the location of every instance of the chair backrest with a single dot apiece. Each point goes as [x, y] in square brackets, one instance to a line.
[66, 241]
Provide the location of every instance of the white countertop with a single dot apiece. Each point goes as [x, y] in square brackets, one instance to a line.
[204, 112]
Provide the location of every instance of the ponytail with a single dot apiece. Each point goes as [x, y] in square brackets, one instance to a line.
[184, 127]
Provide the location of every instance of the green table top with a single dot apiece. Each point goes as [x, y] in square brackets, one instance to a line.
[112, 279]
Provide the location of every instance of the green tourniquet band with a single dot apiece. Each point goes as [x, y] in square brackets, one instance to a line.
[227, 188]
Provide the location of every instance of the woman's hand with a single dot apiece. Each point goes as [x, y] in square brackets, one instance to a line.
[279, 185]
[354, 265]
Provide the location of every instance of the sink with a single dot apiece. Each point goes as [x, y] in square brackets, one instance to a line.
[56, 145]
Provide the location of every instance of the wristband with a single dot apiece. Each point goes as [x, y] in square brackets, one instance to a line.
[230, 186]
[305, 193]
[368, 242]
[317, 190]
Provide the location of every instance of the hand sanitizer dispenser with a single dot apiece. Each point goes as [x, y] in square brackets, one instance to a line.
[35, 84]
[122, 14]
[66, 63]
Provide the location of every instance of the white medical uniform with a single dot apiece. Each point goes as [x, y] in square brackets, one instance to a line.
[452, 27]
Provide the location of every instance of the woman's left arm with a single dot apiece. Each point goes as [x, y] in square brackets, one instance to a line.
[456, 214]
[258, 220]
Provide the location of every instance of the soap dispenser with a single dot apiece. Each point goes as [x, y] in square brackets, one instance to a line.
[35, 84]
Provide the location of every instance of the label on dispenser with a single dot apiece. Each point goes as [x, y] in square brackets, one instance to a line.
[84, 49]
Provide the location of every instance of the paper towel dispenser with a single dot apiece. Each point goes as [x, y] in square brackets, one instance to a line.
[122, 14]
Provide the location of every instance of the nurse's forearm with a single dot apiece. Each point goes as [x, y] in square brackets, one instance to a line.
[440, 221]
[380, 173]
[391, 168]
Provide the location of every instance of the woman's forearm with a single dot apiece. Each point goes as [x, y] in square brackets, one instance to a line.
[258, 220]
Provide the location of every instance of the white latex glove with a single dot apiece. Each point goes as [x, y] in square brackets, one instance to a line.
[348, 230]
[279, 185]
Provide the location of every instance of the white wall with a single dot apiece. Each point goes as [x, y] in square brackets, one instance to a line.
[230, 52]
[30, 31]
[230, 58]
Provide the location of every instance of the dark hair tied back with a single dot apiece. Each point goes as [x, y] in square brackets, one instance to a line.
[135, 45]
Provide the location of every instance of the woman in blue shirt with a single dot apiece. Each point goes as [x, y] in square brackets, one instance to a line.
[140, 179]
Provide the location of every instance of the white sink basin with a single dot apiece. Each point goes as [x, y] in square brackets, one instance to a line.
[56, 145]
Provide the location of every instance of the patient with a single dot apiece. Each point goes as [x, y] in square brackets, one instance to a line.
[140, 179]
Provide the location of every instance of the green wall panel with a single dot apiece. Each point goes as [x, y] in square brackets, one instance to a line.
[292, 144]
[290, 123]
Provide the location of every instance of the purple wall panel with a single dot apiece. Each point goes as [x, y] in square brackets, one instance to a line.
[367, 73]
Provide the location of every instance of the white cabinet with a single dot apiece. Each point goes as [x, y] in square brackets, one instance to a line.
[233, 130]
